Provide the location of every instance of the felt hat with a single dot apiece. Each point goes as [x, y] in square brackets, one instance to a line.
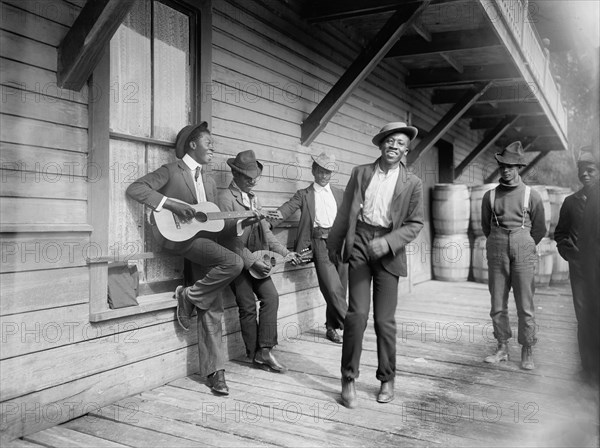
[513, 154]
[586, 156]
[245, 162]
[325, 161]
[182, 140]
[392, 128]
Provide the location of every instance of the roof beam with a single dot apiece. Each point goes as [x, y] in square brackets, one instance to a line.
[445, 42]
[453, 62]
[487, 141]
[400, 22]
[447, 76]
[490, 122]
[421, 30]
[485, 110]
[447, 121]
[533, 163]
[499, 94]
[80, 49]
[320, 11]
[491, 178]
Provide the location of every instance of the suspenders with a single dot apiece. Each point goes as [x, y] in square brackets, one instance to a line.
[525, 204]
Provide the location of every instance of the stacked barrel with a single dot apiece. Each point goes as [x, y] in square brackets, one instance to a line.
[480, 267]
[560, 267]
[451, 254]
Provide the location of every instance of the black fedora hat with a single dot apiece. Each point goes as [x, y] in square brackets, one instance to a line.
[182, 140]
[245, 162]
[513, 154]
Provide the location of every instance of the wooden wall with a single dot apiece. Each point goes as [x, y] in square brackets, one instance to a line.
[270, 69]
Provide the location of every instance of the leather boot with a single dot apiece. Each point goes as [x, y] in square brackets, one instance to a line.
[527, 358]
[348, 393]
[501, 353]
[217, 382]
[386, 392]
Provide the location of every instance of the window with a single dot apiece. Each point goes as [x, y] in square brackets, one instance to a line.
[154, 67]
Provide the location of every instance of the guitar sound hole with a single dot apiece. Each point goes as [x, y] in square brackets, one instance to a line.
[201, 217]
[273, 262]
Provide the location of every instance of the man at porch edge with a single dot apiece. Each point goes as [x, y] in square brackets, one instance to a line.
[382, 211]
[183, 180]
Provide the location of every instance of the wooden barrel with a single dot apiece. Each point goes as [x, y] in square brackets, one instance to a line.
[557, 196]
[543, 191]
[477, 193]
[545, 262]
[451, 257]
[450, 209]
[560, 267]
[479, 260]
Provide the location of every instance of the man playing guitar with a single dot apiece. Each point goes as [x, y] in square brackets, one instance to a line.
[170, 190]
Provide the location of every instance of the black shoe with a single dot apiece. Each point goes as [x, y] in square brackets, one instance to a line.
[386, 392]
[333, 336]
[182, 316]
[217, 383]
[349, 393]
[264, 358]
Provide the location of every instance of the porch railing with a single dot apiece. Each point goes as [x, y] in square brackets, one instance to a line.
[515, 14]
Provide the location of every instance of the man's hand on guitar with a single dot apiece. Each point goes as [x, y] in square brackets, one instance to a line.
[261, 267]
[253, 219]
[294, 258]
[181, 209]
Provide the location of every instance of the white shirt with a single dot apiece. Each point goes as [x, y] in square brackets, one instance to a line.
[200, 192]
[325, 206]
[378, 197]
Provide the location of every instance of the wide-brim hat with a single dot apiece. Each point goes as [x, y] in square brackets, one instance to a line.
[182, 140]
[325, 161]
[392, 128]
[513, 154]
[245, 162]
[586, 156]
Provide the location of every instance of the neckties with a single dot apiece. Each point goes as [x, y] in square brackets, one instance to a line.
[197, 174]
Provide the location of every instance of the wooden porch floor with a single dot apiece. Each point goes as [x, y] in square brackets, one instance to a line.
[445, 394]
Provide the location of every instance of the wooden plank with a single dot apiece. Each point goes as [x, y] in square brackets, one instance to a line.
[13, 46]
[20, 443]
[487, 110]
[34, 27]
[445, 42]
[321, 12]
[490, 122]
[426, 78]
[35, 210]
[486, 143]
[56, 111]
[394, 28]
[82, 47]
[68, 438]
[510, 93]
[59, 11]
[25, 131]
[451, 117]
[48, 181]
[37, 290]
[37, 159]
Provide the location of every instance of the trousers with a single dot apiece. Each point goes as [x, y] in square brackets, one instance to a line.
[512, 259]
[362, 272]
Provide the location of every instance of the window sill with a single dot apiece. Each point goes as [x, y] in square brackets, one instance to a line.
[147, 304]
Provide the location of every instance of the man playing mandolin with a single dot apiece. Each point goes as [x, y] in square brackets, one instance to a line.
[246, 238]
[169, 191]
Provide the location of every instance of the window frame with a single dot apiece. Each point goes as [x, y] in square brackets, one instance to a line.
[99, 158]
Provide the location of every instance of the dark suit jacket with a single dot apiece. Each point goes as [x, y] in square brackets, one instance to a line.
[304, 200]
[173, 180]
[569, 224]
[407, 216]
[230, 200]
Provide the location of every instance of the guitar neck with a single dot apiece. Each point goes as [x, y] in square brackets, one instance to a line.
[229, 215]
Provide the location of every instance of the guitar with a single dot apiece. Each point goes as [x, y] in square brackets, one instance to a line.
[276, 261]
[208, 218]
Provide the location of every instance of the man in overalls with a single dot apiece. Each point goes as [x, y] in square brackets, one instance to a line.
[513, 221]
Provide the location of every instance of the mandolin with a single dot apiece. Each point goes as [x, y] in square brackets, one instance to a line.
[276, 261]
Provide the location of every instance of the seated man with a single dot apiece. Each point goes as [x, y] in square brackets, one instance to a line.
[258, 331]
[319, 203]
[184, 181]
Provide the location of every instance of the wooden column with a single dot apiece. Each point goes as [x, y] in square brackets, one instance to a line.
[368, 59]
